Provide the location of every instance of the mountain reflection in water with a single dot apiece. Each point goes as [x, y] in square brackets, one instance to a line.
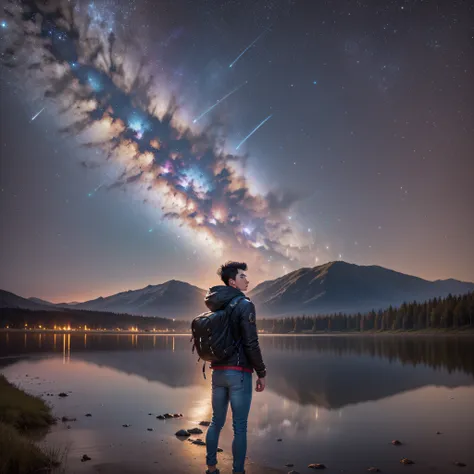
[324, 371]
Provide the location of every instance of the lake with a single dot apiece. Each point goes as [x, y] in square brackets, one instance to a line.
[337, 400]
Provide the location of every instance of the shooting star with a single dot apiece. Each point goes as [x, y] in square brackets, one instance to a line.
[96, 189]
[103, 183]
[253, 131]
[36, 115]
[218, 102]
[247, 48]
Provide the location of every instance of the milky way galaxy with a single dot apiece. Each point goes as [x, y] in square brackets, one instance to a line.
[147, 140]
[105, 92]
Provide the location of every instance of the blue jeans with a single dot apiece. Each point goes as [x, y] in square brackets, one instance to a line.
[235, 387]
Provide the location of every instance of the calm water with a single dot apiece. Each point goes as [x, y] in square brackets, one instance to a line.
[333, 400]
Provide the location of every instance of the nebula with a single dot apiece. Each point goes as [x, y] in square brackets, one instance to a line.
[108, 101]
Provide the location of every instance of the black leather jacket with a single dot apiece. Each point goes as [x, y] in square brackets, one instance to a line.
[244, 328]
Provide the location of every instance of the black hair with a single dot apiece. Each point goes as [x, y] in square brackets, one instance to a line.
[229, 270]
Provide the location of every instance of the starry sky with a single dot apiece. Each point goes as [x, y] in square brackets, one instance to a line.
[148, 140]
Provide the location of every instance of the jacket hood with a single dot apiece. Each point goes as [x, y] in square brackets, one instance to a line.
[218, 297]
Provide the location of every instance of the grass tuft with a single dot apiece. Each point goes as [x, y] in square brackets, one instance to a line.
[20, 412]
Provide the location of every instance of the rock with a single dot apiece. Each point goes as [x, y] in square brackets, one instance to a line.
[126, 425]
[293, 472]
[459, 464]
[195, 431]
[406, 461]
[150, 429]
[62, 394]
[219, 450]
[204, 423]
[168, 415]
[177, 415]
[160, 417]
[150, 414]
[317, 466]
[182, 433]
[68, 427]
[279, 439]
[199, 442]
[85, 457]
[396, 442]
[438, 432]
[373, 469]
[88, 414]
[289, 465]
[65, 419]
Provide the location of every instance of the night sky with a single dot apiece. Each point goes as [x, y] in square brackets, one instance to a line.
[136, 163]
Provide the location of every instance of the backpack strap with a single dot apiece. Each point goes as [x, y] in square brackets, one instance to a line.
[233, 303]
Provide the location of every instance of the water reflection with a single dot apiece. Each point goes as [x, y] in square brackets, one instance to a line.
[314, 399]
[328, 372]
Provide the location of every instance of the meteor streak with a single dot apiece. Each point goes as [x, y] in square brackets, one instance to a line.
[247, 48]
[219, 101]
[252, 132]
[36, 115]
[96, 189]
[182, 173]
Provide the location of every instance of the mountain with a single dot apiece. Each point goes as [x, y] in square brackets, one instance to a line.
[42, 302]
[173, 299]
[48, 303]
[10, 300]
[344, 287]
[330, 288]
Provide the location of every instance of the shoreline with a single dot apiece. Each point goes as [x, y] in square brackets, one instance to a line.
[169, 456]
[149, 446]
[24, 418]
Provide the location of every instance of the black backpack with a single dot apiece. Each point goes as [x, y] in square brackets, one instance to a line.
[212, 334]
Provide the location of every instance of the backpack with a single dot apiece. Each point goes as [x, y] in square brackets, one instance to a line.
[212, 334]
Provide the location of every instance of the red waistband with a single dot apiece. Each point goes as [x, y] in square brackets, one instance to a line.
[232, 367]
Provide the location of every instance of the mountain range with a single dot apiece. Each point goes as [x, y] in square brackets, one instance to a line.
[329, 288]
[344, 287]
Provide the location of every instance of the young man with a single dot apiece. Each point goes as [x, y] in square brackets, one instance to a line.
[232, 378]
